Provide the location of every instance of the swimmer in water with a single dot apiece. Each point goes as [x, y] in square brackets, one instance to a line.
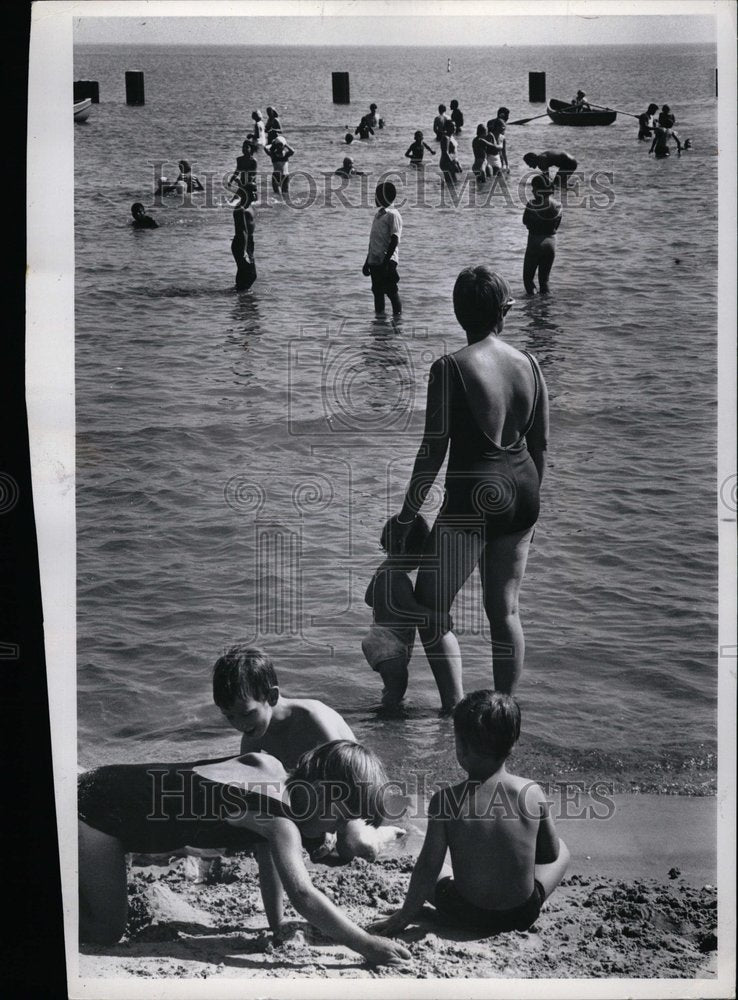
[496, 130]
[187, 179]
[364, 128]
[542, 218]
[660, 144]
[348, 138]
[646, 122]
[481, 145]
[347, 169]
[565, 165]
[140, 219]
[448, 163]
[246, 167]
[242, 244]
[279, 153]
[414, 151]
[373, 117]
[457, 116]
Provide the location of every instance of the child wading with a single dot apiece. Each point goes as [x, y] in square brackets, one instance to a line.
[506, 857]
[388, 645]
[384, 241]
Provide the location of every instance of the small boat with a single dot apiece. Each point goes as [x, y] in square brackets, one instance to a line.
[82, 109]
[561, 113]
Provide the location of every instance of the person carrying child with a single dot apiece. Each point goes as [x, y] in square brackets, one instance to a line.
[388, 646]
[383, 257]
[414, 151]
[506, 858]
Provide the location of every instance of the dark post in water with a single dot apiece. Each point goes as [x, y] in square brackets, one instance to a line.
[134, 87]
[537, 88]
[716, 82]
[87, 88]
[341, 88]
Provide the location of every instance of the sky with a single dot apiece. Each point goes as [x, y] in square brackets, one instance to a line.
[348, 23]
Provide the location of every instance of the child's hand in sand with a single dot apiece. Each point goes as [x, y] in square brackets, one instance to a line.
[386, 953]
[392, 924]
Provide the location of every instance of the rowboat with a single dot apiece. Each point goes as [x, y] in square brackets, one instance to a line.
[82, 109]
[562, 113]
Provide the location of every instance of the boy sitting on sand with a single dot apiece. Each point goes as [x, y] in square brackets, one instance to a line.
[388, 645]
[246, 690]
[506, 856]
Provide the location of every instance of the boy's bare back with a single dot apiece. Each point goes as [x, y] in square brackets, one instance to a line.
[497, 830]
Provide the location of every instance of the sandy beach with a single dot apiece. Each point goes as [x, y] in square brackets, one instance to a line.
[621, 912]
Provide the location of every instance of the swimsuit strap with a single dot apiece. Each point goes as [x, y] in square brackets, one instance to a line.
[535, 394]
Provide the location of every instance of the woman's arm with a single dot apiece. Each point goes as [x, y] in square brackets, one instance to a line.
[537, 437]
[425, 874]
[271, 887]
[310, 903]
[434, 445]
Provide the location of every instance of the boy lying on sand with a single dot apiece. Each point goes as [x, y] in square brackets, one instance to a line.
[245, 802]
[246, 690]
[506, 856]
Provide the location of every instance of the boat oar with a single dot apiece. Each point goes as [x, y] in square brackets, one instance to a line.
[600, 108]
[524, 121]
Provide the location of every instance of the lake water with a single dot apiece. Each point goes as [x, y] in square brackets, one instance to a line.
[238, 454]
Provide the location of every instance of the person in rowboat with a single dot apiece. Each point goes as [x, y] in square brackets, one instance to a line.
[564, 163]
[580, 103]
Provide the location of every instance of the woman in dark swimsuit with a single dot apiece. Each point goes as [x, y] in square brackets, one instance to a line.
[489, 401]
[243, 803]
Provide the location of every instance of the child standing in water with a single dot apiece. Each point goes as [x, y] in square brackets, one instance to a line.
[448, 163]
[388, 645]
[279, 153]
[542, 217]
[383, 257]
[414, 151]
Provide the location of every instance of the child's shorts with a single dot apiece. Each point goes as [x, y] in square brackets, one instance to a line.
[452, 906]
[383, 642]
[384, 279]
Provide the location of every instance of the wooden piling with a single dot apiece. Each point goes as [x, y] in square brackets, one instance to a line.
[537, 88]
[134, 88]
[341, 90]
[87, 88]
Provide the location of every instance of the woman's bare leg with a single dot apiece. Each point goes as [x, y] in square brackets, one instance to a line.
[103, 887]
[502, 568]
[449, 556]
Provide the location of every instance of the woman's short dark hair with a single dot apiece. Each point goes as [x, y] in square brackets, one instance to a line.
[345, 772]
[480, 297]
[242, 672]
[488, 722]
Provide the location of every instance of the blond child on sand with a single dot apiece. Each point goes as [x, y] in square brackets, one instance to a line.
[506, 856]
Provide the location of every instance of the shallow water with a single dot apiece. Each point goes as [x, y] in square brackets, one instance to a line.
[237, 455]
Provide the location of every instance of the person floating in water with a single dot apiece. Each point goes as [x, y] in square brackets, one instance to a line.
[496, 131]
[140, 219]
[542, 218]
[580, 102]
[347, 169]
[481, 146]
[457, 116]
[448, 163]
[382, 257]
[660, 144]
[364, 128]
[186, 180]
[279, 153]
[564, 163]
[439, 122]
[646, 122]
[273, 123]
[415, 150]
[242, 244]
